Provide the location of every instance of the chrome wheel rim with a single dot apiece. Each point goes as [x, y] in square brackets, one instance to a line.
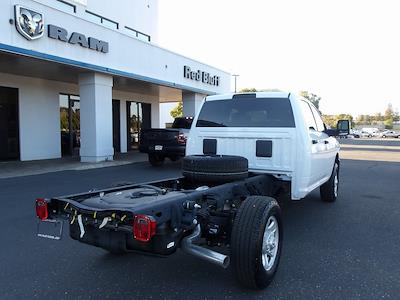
[335, 185]
[270, 243]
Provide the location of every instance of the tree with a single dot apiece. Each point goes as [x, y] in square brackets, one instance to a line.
[388, 123]
[396, 116]
[389, 112]
[177, 111]
[248, 90]
[313, 98]
[331, 120]
[378, 117]
[346, 117]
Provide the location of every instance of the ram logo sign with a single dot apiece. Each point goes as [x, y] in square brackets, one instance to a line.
[61, 34]
[29, 23]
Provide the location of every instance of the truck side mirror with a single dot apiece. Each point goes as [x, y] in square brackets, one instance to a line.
[343, 127]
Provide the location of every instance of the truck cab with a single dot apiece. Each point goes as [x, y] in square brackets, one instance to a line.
[279, 134]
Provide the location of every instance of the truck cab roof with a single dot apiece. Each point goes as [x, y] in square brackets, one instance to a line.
[252, 95]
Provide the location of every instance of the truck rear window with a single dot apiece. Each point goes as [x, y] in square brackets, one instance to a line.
[185, 122]
[253, 112]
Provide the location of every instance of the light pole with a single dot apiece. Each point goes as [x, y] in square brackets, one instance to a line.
[235, 75]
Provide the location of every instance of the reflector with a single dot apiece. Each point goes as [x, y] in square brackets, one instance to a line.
[181, 138]
[144, 228]
[41, 209]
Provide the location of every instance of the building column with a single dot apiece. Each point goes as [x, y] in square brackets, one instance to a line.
[96, 117]
[191, 103]
[155, 114]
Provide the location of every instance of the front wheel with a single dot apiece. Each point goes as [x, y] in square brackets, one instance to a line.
[156, 160]
[256, 241]
[329, 190]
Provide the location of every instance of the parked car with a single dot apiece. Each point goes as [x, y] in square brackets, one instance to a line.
[369, 132]
[162, 143]
[355, 133]
[244, 150]
[389, 133]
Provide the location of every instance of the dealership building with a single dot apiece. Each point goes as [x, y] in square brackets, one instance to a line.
[83, 77]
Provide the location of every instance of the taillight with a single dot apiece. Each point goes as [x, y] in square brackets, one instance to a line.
[144, 228]
[41, 209]
[181, 139]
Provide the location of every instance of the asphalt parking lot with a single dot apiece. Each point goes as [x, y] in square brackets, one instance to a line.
[346, 250]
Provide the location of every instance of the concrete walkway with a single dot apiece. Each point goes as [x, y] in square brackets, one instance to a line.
[10, 169]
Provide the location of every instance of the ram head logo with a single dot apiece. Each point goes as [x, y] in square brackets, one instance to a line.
[29, 23]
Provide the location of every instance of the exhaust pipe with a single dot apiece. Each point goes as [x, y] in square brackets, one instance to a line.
[204, 253]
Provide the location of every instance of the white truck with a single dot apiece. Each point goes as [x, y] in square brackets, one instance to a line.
[243, 151]
[278, 133]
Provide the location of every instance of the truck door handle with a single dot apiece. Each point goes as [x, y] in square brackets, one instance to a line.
[319, 141]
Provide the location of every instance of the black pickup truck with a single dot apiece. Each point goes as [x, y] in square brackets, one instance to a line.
[162, 143]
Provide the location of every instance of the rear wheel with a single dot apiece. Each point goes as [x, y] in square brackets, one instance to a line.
[329, 190]
[256, 241]
[156, 160]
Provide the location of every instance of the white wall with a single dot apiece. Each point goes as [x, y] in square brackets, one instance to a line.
[140, 60]
[141, 15]
[39, 115]
[96, 125]
[191, 103]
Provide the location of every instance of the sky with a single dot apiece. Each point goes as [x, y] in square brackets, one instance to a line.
[347, 52]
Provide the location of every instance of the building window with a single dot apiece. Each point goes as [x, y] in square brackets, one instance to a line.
[99, 19]
[138, 117]
[65, 6]
[138, 34]
[70, 124]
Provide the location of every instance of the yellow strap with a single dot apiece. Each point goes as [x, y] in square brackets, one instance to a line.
[123, 217]
[66, 205]
[94, 215]
[113, 215]
[73, 220]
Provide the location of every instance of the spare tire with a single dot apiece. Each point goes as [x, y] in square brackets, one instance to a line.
[214, 168]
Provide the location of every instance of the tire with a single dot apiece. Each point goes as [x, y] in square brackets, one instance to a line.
[252, 220]
[156, 160]
[384, 136]
[214, 168]
[329, 190]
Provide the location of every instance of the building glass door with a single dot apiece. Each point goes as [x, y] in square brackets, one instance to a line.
[116, 125]
[139, 117]
[9, 124]
[70, 124]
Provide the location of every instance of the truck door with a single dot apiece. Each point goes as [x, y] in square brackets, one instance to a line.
[330, 145]
[320, 143]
